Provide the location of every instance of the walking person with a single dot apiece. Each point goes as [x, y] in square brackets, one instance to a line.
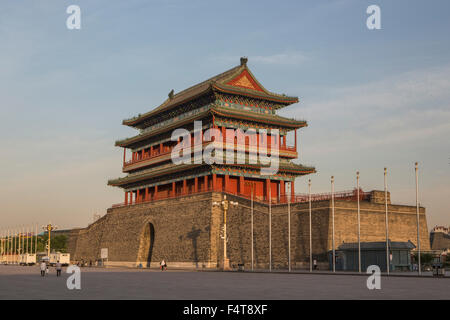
[58, 268]
[315, 264]
[43, 267]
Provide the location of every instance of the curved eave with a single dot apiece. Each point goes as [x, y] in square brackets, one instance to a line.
[255, 94]
[166, 106]
[300, 170]
[283, 122]
[218, 111]
[138, 138]
[119, 182]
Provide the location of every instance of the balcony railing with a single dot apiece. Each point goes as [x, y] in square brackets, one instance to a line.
[349, 195]
[168, 150]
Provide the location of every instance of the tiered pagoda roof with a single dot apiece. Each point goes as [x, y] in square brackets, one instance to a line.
[230, 100]
[238, 80]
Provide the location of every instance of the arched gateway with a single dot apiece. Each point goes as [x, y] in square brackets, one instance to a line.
[147, 239]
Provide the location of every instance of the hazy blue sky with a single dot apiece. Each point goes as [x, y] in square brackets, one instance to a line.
[373, 98]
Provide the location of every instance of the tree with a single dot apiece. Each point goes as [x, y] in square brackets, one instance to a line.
[57, 243]
[425, 258]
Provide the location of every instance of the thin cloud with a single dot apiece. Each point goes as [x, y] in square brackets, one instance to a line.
[403, 109]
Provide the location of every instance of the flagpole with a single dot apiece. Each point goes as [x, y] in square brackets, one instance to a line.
[310, 227]
[388, 260]
[359, 222]
[289, 234]
[270, 228]
[21, 239]
[31, 239]
[332, 217]
[417, 211]
[252, 224]
[35, 239]
[7, 246]
[14, 246]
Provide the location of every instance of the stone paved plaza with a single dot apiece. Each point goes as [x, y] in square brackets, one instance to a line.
[26, 283]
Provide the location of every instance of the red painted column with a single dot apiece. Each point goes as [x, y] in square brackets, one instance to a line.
[124, 156]
[173, 189]
[151, 151]
[214, 182]
[138, 196]
[126, 198]
[205, 184]
[295, 140]
[227, 183]
[282, 191]
[156, 193]
[224, 133]
[196, 184]
[146, 194]
[184, 186]
[160, 148]
[241, 185]
[292, 191]
[278, 190]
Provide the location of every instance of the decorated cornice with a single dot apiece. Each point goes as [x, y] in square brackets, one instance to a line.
[237, 81]
[224, 112]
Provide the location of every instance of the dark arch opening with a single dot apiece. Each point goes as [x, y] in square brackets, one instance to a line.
[146, 246]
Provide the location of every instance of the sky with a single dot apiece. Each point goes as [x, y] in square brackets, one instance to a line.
[372, 98]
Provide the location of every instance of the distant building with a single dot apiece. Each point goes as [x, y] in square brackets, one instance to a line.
[440, 238]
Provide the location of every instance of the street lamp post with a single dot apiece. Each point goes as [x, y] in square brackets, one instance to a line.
[49, 228]
[225, 205]
[252, 186]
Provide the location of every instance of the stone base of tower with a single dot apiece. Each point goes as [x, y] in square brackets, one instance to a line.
[186, 232]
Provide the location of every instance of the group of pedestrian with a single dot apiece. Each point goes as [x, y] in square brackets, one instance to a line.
[44, 268]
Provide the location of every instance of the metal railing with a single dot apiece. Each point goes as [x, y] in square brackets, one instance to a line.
[349, 195]
[168, 150]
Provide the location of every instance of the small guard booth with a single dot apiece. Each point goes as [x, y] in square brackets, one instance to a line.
[373, 253]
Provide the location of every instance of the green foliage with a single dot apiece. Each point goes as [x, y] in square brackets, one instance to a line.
[425, 258]
[58, 243]
[447, 260]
